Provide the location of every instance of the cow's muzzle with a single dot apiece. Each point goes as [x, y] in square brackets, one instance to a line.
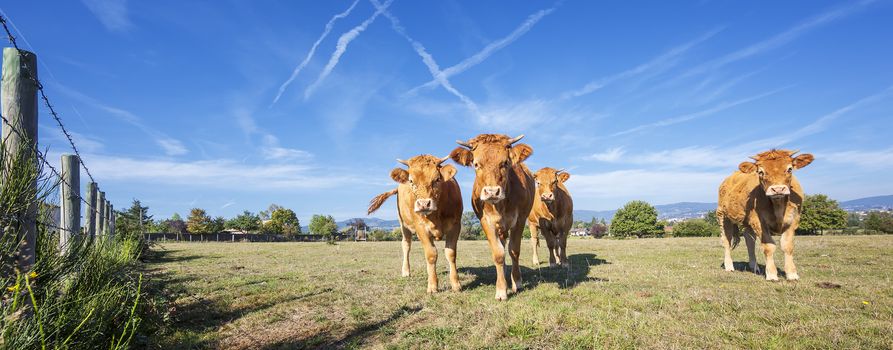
[492, 194]
[548, 198]
[424, 206]
[778, 191]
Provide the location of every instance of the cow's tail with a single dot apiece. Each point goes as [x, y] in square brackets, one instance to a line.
[376, 202]
[736, 239]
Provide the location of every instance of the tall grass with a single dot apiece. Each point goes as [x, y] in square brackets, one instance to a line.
[84, 298]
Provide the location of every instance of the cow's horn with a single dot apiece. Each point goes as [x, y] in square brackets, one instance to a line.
[463, 143]
[516, 139]
[559, 170]
[444, 159]
[401, 161]
[795, 152]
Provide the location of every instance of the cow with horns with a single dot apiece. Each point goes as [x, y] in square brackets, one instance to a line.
[429, 205]
[501, 197]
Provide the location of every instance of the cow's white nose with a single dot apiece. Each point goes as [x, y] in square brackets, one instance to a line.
[548, 197]
[424, 205]
[492, 193]
[778, 190]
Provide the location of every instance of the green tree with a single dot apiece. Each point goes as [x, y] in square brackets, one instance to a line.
[175, 224]
[217, 225]
[198, 221]
[323, 225]
[134, 220]
[471, 227]
[246, 222]
[879, 221]
[283, 221]
[853, 220]
[695, 228]
[636, 218]
[820, 213]
[710, 218]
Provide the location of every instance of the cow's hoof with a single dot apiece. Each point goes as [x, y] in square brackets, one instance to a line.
[501, 295]
[793, 276]
[772, 277]
[730, 269]
[756, 270]
[432, 290]
[457, 288]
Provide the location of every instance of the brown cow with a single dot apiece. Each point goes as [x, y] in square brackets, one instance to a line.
[765, 198]
[552, 215]
[429, 205]
[502, 197]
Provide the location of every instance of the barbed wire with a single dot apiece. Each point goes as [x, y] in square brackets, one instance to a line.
[33, 76]
[43, 160]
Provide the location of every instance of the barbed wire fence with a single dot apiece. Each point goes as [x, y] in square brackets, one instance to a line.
[20, 68]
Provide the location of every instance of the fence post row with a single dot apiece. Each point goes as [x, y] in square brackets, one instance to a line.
[19, 108]
[100, 214]
[89, 212]
[71, 201]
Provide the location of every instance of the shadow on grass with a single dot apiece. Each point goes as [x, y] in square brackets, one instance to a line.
[565, 278]
[743, 266]
[161, 256]
[353, 339]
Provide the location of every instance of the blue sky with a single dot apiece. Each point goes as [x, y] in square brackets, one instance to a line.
[175, 102]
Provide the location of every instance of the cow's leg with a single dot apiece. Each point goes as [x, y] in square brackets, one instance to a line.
[515, 253]
[407, 243]
[750, 240]
[563, 243]
[450, 250]
[787, 246]
[768, 245]
[431, 258]
[552, 244]
[497, 250]
[729, 232]
[534, 242]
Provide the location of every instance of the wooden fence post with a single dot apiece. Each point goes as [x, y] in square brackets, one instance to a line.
[90, 211]
[108, 218]
[71, 201]
[100, 214]
[112, 219]
[19, 107]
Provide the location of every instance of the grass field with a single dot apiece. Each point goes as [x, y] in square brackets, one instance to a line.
[645, 293]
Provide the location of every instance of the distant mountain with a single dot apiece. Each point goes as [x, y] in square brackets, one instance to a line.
[868, 203]
[664, 211]
[372, 223]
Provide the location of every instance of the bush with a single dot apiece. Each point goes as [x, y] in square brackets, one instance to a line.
[382, 235]
[695, 228]
[879, 221]
[636, 218]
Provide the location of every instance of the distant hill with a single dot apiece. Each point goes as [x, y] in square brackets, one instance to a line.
[867, 203]
[373, 223]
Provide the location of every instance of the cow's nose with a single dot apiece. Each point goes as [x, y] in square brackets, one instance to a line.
[424, 205]
[491, 193]
[778, 190]
[548, 196]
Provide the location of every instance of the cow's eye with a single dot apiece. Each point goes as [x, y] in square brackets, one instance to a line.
[760, 172]
[476, 165]
[790, 169]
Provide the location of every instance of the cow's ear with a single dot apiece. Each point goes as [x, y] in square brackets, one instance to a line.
[462, 156]
[747, 167]
[803, 160]
[447, 172]
[400, 175]
[563, 177]
[521, 152]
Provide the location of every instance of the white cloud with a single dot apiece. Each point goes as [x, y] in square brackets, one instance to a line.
[659, 63]
[871, 159]
[300, 67]
[780, 38]
[341, 47]
[700, 114]
[488, 50]
[610, 155]
[659, 186]
[111, 13]
[171, 146]
[218, 174]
